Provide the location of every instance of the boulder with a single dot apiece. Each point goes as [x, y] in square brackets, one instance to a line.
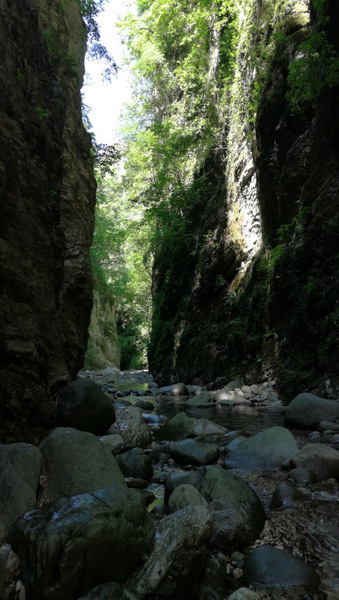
[135, 463]
[180, 427]
[285, 495]
[108, 591]
[265, 450]
[238, 514]
[321, 460]
[177, 389]
[307, 410]
[185, 495]
[83, 405]
[200, 401]
[244, 594]
[232, 386]
[189, 452]
[328, 426]
[20, 466]
[75, 462]
[205, 427]
[178, 555]
[131, 426]
[70, 547]
[114, 442]
[270, 567]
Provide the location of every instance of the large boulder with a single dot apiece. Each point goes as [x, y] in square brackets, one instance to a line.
[131, 426]
[321, 460]
[180, 427]
[265, 450]
[189, 452]
[200, 401]
[20, 466]
[205, 427]
[270, 567]
[79, 542]
[308, 410]
[185, 495]
[83, 405]
[75, 462]
[238, 514]
[135, 463]
[178, 555]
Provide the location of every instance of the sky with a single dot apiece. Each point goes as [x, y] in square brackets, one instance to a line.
[106, 99]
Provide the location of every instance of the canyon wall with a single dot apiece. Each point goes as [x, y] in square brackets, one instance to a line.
[256, 295]
[47, 206]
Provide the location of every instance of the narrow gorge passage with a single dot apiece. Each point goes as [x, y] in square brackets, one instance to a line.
[169, 356]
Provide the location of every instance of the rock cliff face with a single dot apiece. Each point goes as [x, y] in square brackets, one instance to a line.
[47, 205]
[259, 295]
[103, 344]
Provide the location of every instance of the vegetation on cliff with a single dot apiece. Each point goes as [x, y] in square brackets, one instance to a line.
[221, 150]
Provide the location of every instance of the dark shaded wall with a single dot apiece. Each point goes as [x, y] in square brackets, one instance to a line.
[278, 316]
[47, 197]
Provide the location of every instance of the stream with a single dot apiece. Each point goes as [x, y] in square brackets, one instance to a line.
[309, 529]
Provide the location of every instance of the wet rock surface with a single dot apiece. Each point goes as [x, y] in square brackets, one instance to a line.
[208, 519]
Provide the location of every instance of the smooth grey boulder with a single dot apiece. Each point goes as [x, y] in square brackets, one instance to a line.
[321, 460]
[189, 452]
[178, 555]
[185, 495]
[308, 410]
[135, 463]
[109, 591]
[75, 462]
[238, 514]
[20, 467]
[270, 567]
[232, 386]
[75, 544]
[83, 405]
[265, 450]
[131, 426]
[180, 427]
[200, 401]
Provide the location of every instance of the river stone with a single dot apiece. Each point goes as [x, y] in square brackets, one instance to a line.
[114, 442]
[328, 426]
[189, 452]
[301, 476]
[75, 544]
[308, 410]
[204, 427]
[243, 594]
[238, 514]
[180, 427]
[83, 405]
[178, 555]
[232, 386]
[177, 389]
[135, 463]
[271, 567]
[20, 466]
[131, 426]
[322, 460]
[265, 450]
[185, 495]
[75, 462]
[285, 495]
[201, 400]
[109, 591]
